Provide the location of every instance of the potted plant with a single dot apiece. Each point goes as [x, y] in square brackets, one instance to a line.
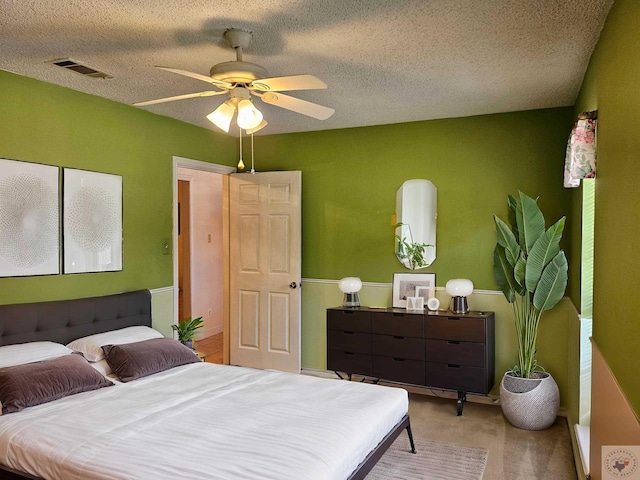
[531, 270]
[410, 254]
[187, 329]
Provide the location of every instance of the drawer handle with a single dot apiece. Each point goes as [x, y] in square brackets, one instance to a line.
[398, 338]
[396, 359]
[349, 353]
[452, 366]
[453, 342]
[347, 312]
[348, 333]
[454, 318]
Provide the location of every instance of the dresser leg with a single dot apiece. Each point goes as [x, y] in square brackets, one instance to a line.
[462, 397]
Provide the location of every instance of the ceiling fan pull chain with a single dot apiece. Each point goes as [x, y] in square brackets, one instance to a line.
[240, 163]
[253, 170]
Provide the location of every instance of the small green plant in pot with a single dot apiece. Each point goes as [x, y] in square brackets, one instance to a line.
[186, 330]
[531, 270]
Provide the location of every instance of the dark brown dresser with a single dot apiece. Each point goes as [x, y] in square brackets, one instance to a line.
[434, 349]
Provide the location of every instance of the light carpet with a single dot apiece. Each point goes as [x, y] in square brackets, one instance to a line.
[434, 461]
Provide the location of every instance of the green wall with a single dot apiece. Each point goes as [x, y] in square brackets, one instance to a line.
[350, 178]
[611, 85]
[48, 124]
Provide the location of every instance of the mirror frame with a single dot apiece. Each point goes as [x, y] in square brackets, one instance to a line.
[416, 215]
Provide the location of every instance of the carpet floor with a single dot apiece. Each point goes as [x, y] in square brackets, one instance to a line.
[434, 461]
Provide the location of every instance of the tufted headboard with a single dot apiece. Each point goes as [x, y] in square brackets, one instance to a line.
[66, 320]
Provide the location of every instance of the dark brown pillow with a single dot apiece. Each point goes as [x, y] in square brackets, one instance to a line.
[134, 360]
[35, 383]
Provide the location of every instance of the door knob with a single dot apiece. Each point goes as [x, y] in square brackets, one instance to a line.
[293, 285]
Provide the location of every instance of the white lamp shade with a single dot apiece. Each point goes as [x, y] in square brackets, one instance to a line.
[249, 116]
[350, 284]
[221, 117]
[263, 124]
[459, 287]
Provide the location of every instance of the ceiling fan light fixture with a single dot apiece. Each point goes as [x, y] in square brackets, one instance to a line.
[221, 117]
[263, 124]
[248, 115]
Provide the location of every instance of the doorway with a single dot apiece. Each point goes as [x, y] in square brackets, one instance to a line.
[184, 252]
[200, 262]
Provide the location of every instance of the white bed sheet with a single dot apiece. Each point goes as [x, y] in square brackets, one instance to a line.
[204, 421]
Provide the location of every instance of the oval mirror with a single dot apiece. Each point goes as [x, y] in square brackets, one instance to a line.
[416, 213]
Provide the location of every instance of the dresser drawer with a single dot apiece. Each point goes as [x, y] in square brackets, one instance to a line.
[353, 342]
[398, 370]
[456, 377]
[455, 352]
[402, 324]
[397, 346]
[455, 328]
[347, 320]
[349, 362]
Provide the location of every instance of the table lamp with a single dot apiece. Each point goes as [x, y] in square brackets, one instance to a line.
[350, 286]
[459, 288]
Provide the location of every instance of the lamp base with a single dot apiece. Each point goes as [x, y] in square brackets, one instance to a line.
[459, 305]
[351, 300]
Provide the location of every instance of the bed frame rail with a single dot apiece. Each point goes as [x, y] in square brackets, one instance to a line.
[369, 462]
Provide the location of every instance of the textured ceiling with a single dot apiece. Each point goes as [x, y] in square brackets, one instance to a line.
[385, 61]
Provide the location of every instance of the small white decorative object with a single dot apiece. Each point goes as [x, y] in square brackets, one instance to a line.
[433, 304]
[415, 303]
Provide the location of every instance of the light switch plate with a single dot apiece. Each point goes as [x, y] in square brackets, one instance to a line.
[166, 246]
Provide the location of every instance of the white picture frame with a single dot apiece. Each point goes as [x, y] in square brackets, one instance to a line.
[425, 292]
[92, 221]
[29, 219]
[406, 284]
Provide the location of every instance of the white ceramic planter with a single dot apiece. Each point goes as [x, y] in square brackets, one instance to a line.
[530, 403]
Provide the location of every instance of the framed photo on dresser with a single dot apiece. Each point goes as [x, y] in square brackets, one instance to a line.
[412, 285]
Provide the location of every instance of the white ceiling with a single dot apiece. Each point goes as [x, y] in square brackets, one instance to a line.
[385, 61]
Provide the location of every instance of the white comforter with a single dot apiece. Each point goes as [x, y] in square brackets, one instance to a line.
[204, 421]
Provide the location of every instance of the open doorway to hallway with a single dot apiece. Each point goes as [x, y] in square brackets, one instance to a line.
[201, 246]
[184, 251]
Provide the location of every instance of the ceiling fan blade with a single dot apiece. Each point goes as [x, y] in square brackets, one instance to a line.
[297, 105]
[208, 93]
[204, 78]
[291, 82]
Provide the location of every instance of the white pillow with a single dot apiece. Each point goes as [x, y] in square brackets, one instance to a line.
[22, 353]
[91, 347]
[102, 366]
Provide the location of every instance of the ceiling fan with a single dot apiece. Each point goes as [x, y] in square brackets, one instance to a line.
[241, 80]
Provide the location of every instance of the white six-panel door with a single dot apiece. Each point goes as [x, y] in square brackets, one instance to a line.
[265, 270]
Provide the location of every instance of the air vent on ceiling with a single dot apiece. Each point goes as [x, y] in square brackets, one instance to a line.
[80, 68]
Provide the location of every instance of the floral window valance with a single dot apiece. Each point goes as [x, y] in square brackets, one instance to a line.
[580, 161]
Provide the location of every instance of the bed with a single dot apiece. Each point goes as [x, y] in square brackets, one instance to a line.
[195, 420]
